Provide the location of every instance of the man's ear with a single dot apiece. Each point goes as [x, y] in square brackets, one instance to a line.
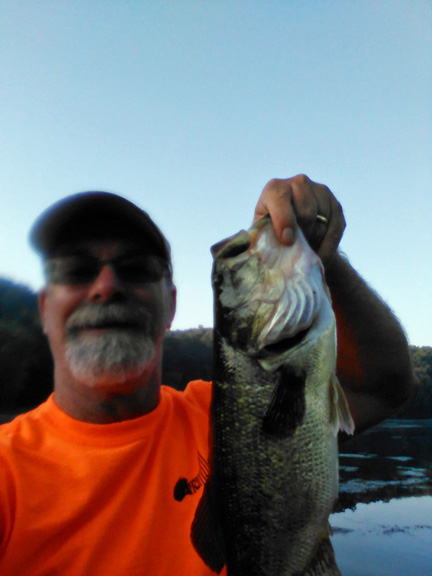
[173, 303]
[42, 295]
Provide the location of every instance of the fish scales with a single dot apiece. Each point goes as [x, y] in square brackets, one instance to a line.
[270, 495]
[276, 411]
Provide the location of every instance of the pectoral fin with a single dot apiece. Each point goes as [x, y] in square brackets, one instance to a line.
[340, 413]
[287, 405]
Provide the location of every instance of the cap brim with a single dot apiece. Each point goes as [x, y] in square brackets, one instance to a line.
[96, 214]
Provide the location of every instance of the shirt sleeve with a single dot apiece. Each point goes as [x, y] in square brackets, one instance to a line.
[199, 392]
[7, 501]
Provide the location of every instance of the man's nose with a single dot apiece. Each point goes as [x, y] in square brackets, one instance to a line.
[106, 285]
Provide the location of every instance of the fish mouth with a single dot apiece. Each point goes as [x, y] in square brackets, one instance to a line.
[284, 344]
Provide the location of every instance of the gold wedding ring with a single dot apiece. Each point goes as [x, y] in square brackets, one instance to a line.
[322, 219]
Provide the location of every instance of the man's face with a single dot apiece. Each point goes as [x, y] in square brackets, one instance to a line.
[105, 310]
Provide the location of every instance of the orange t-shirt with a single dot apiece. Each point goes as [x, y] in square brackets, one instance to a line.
[88, 499]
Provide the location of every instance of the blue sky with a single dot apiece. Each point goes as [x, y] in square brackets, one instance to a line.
[189, 107]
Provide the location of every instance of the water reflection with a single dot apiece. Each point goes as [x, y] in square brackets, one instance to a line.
[385, 538]
[389, 461]
[383, 520]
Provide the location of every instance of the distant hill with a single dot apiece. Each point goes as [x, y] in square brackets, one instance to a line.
[187, 356]
[26, 366]
[420, 405]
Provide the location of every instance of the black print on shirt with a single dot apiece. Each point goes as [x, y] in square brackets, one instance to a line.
[184, 487]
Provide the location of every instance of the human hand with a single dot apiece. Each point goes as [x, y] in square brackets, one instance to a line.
[299, 201]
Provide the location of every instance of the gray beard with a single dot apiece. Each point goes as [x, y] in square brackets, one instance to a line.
[113, 356]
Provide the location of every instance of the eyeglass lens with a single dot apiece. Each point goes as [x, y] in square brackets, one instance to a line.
[84, 269]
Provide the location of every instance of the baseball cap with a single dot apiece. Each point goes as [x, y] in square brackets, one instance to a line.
[98, 214]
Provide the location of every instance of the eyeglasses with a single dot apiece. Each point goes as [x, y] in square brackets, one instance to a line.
[84, 269]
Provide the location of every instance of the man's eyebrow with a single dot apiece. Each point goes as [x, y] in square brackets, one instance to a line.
[71, 251]
[128, 251]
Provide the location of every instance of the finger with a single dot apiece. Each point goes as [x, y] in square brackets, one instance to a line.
[276, 200]
[309, 200]
[316, 226]
[312, 200]
[332, 237]
[305, 203]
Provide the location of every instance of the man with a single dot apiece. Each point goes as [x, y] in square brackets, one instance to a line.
[87, 479]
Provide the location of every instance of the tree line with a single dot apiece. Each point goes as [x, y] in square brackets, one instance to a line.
[26, 366]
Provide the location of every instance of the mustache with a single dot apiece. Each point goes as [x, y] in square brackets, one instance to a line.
[93, 315]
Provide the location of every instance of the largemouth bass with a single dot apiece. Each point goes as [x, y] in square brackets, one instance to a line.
[276, 410]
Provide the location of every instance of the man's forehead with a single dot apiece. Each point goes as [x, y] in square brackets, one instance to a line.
[103, 247]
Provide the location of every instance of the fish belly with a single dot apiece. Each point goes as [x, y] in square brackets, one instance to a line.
[275, 493]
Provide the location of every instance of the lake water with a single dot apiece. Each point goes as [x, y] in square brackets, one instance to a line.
[385, 524]
[385, 538]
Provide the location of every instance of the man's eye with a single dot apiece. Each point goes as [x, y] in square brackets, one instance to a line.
[80, 269]
[139, 269]
[71, 270]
